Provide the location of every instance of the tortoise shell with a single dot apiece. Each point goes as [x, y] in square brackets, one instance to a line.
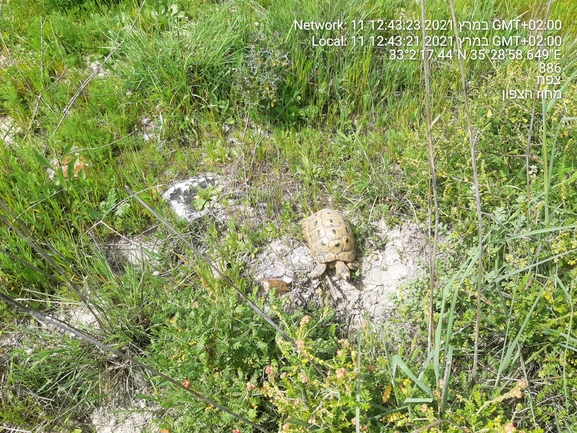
[329, 236]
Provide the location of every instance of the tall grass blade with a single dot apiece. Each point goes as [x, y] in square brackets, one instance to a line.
[508, 359]
[477, 194]
[433, 202]
[398, 362]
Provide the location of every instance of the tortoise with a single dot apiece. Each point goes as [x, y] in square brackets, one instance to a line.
[330, 238]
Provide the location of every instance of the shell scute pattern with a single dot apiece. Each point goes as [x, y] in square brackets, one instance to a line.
[329, 236]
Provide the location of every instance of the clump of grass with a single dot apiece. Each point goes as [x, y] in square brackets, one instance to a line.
[49, 376]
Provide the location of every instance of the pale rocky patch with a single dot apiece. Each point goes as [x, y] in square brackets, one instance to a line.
[136, 251]
[8, 130]
[188, 202]
[381, 274]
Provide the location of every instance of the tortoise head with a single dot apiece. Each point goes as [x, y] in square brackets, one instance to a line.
[342, 270]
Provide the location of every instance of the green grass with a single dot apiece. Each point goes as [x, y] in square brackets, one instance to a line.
[235, 89]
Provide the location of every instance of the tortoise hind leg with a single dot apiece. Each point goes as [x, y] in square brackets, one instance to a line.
[319, 270]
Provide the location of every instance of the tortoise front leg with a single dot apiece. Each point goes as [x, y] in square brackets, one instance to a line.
[319, 270]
